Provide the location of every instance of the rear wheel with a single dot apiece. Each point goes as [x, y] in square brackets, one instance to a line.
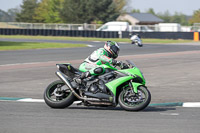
[58, 95]
[134, 102]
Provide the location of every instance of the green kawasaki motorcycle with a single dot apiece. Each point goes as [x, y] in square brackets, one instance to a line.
[125, 86]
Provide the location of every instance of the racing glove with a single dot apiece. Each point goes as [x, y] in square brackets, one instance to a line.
[124, 66]
[117, 63]
[120, 64]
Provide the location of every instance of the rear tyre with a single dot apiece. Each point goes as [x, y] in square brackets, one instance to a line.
[58, 95]
[134, 102]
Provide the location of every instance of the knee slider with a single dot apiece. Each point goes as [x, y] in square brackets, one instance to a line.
[98, 70]
[85, 75]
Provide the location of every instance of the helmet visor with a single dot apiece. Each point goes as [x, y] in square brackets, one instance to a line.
[115, 51]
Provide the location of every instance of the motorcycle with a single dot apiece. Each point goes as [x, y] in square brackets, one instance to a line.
[125, 86]
[136, 39]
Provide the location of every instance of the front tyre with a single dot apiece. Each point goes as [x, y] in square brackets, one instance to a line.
[58, 95]
[134, 102]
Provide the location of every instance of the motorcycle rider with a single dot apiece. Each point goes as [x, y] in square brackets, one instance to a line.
[136, 39]
[91, 65]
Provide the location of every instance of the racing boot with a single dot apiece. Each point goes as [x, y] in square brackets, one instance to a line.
[79, 79]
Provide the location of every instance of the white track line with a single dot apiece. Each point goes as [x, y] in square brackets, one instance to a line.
[191, 104]
[90, 45]
[31, 100]
[96, 41]
[186, 104]
[38, 100]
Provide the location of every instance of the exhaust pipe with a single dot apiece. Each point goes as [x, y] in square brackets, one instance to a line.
[62, 77]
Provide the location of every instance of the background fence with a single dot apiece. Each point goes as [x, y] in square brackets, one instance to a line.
[164, 27]
[71, 33]
[98, 34]
[49, 26]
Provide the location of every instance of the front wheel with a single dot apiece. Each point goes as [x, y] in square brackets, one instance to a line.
[134, 102]
[58, 95]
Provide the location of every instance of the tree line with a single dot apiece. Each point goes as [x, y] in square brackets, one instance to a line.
[83, 11]
[175, 18]
[69, 11]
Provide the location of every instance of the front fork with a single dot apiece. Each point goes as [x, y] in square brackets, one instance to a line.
[134, 86]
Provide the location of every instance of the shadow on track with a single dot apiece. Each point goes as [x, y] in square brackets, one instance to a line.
[148, 109]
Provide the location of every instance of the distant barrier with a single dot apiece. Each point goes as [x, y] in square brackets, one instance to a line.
[98, 34]
[162, 35]
[71, 33]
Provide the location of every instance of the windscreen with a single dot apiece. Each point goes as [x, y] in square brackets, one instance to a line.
[130, 63]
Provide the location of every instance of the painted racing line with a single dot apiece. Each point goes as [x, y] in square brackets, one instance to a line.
[31, 100]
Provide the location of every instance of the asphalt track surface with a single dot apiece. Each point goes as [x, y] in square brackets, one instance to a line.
[171, 71]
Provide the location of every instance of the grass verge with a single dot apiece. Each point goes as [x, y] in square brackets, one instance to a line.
[35, 45]
[95, 39]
